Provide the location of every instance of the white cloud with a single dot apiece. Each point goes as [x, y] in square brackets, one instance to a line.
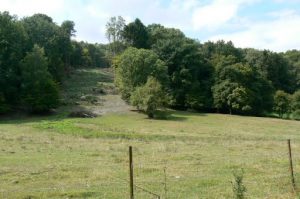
[279, 34]
[202, 19]
[216, 14]
[213, 15]
[29, 7]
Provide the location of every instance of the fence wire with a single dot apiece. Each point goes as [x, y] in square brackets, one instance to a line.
[152, 178]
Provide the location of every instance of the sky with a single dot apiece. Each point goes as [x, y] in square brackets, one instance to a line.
[261, 24]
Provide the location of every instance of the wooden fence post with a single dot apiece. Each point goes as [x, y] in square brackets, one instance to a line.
[131, 173]
[291, 164]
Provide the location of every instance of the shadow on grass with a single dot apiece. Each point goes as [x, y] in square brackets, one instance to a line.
[22, 118]
[171, 115]
[62, 113]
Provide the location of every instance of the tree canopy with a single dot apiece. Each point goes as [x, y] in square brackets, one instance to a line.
[36, 54]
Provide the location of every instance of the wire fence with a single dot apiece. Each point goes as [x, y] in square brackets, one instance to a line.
[155, 178]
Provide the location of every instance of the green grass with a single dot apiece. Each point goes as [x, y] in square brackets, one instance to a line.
[58, 157]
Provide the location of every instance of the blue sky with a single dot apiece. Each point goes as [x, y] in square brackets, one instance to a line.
[262, 24]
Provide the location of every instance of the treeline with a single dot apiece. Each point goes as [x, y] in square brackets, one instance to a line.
[213, 76]
[35, 56]
[155, 67]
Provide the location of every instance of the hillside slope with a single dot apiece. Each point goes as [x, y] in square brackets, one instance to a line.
[60, 157]
[93, 89]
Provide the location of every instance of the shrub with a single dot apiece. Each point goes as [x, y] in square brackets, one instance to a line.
[282, 103]
[238, 186]
[149, 97]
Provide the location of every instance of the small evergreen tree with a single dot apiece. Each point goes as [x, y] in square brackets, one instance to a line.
[39, 91]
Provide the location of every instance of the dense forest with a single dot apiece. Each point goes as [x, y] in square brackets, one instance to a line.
[154, 66]
[36, 54]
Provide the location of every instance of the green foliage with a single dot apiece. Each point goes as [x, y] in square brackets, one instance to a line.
[221, 48]
[238, 186]
[203, 77]
[135, 34]
[240, 88]
[274, 67]
[240, 100]
[134, 66]
[295, 98]
[39, 91]
[88, 55]
[3, 105]
[296, 114]
[114, 34]
[12, 42]
[55, 39]
[293, 56]
[149, 97]
[189, 73]
[282, 101]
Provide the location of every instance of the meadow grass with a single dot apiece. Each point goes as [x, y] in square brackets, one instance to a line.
[60, 157]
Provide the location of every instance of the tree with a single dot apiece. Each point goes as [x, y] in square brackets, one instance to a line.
[239, 87]
[114, 34]
[55, 40]
[293, 56]
[221, 93]
[240, 100]
[190, 75]
[296, 100]
[296, 105]
[39, 91]
[282, 103]
[149, 97]
[12, 42]
[221, 48]
[66, 32]
[136, 35]
[3, 104]
[134, 66]
[274, 67]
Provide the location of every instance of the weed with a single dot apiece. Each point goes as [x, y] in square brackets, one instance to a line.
[238, 186]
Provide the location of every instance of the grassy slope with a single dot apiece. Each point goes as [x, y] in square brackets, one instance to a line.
[59, 157]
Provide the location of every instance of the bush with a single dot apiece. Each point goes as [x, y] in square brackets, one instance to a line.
[296, 114]
[238, 186]
[282, 102]
[149, 97]
[296, 100]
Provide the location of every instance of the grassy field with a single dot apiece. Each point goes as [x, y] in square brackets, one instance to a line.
[60, 157]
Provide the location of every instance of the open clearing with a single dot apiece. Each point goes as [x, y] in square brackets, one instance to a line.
[60, 157]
